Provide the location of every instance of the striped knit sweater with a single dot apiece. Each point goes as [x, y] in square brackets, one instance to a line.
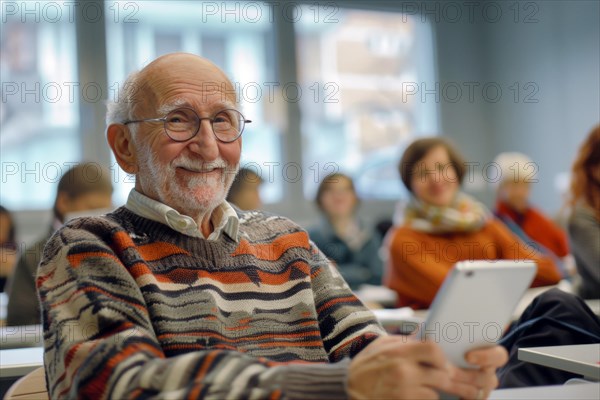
[133, 309]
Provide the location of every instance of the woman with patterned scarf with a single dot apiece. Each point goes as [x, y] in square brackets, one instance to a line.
[443, 225]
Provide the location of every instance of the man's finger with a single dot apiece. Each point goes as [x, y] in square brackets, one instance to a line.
[484, 378]
[495, 356]
[400, 347]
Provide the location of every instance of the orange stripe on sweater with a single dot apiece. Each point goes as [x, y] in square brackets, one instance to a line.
[139, 269]
[280, 279]
[272, 251]
[344, 345]
[157, 250]
[206, 364]
[136, 393]
[316, 273]
[195, 392]
[77, 258]
[347, 343]
[275, 395]
[122, 240]
[235, 328]
[335, 301]
[71, 354]
[43, 278]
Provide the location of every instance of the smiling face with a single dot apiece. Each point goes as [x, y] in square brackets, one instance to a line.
[515, 194]
[193, 176]
[338, 198]
[434, 180]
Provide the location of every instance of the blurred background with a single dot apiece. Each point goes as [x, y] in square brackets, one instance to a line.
[337, 86]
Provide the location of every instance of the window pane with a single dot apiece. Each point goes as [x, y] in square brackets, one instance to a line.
[240, 44]
[355, 118]
[39, 120]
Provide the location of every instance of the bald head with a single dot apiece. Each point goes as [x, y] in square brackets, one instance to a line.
[191, 73]
[143, 90]
[173, 62]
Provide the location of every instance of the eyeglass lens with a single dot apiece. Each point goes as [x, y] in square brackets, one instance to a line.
[182, 124]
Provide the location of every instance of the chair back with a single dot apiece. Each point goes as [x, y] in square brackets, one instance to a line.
[30, 387]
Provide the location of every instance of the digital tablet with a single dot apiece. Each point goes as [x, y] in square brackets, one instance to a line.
[474, 305]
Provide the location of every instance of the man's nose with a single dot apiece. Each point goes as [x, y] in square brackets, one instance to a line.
[205, 143]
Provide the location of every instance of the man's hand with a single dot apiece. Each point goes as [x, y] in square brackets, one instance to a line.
[478, 383]
[400, 368]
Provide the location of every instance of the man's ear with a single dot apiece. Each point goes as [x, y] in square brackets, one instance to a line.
[120, 141]
[62, 203]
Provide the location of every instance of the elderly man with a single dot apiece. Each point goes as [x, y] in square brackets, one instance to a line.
[179, 295]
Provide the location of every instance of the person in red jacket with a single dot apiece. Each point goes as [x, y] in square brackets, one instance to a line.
[516, 211]
[443, 225]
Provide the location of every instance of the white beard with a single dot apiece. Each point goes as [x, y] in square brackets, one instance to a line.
[196, 195]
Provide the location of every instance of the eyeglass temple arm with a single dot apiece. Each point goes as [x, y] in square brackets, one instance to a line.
[145, 120]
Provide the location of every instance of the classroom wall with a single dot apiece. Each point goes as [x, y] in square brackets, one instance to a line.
[560, 55]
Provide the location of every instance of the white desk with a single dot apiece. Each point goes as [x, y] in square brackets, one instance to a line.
[377, 294]
[3, 305]
[582, 359]
[583, 391]
[12, 337]
[400, 320]
[20, 362]
[594, 305]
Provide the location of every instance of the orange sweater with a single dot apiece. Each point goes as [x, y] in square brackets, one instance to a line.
[419, 261]
[538, 227]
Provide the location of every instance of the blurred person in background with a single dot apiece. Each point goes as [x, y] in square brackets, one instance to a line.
[8, 246]
[84, 188]
[584, 221]
[343, 238]
[244, 191]
[513, 208]
[443, 225]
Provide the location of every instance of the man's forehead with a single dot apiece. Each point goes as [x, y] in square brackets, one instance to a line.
[181, 78]
[212, 104]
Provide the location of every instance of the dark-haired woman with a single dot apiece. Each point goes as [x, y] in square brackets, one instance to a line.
[342, 236]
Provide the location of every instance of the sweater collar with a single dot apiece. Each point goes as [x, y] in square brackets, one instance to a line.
[224, 218]
[504, 210]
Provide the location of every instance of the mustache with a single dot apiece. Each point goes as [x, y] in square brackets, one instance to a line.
[200, 166]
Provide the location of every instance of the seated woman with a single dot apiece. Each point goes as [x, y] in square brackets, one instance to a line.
[584, 222]
[342, 237]
[443, 225]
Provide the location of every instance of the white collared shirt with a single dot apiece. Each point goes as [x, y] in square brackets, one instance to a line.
[224, 218]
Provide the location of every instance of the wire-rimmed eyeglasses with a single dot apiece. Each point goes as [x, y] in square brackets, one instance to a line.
[182, 124]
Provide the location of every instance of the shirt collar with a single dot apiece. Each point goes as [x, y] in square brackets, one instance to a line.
[224, 218]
